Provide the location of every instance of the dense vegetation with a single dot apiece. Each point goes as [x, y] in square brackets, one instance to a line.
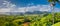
[34, 20]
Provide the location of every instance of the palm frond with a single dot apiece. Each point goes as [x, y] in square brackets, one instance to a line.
[50, 0]
[53, 0]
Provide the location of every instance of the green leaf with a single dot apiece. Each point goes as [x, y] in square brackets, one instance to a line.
[50, 0]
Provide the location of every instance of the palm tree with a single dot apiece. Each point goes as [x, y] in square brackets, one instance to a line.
[53, 3]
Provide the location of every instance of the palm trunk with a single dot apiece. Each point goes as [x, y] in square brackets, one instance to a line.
[53, 12]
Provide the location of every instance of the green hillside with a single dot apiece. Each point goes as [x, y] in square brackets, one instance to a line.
[34, 20]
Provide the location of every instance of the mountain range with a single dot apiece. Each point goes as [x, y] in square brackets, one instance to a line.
[20, 13]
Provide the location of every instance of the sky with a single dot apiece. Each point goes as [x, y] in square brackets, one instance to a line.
[29, 5]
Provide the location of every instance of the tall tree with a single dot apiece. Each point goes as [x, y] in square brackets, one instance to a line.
[53, 3]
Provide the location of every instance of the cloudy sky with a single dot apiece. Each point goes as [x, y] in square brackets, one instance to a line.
[28, 5]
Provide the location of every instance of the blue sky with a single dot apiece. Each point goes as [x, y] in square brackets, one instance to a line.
[29, 5]
[23, 3]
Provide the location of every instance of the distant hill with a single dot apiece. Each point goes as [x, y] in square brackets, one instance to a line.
[21, 13]
[37, 12]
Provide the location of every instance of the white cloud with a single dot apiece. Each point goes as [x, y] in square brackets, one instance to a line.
[7, 7]
[57, 10]
[4, 10]
[36, 8]
[45, 8]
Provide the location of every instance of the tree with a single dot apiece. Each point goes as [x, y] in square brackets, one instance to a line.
[53, 3]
